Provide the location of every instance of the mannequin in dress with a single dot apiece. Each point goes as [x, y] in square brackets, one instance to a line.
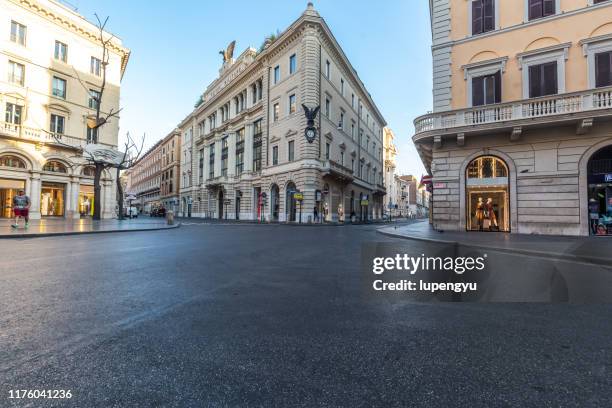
[491, 213]
[479, 213]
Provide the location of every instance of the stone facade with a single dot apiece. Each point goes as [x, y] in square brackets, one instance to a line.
[250, 158]
[43, 46]
[536, 142]
[389, 157]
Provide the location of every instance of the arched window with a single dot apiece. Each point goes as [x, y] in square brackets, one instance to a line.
[12, 161]
[89, 171]
[487, 167]
[55, 167]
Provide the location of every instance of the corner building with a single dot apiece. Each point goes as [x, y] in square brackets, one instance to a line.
[521, 118]
[49, 69]
[249, 156]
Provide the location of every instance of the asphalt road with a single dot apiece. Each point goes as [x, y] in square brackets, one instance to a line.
[247, 315]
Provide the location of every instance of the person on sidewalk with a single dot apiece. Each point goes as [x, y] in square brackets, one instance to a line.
[21, 208]
[316, 214]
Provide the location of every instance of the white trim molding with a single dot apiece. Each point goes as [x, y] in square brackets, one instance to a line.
[477, 69]
[592, 46]
[556, 53]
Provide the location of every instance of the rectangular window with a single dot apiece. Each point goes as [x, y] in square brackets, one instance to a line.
[16, 73]
[341, 123]
[96, 66]
[94, 99]
[13, 113]
[353, 131]
[353, 101]
[483, 16]
[61, 51]
[292, 64]
[224, 156]
[211, 161]
[327, 107]
[201, 167]
[486, 89]
[58, 87]
[291, 150]
[18, 33]
[240, 151]
[352, 165]
[276, 112]
[603, 69]
[274, 155]
[257, 139]
[342, 158]
[57, 124]
[543, 79]
[276, 74]
[541, 8]
[328, 69]
[292, 104]
[327, 151]
[342, 86]
[92, 135]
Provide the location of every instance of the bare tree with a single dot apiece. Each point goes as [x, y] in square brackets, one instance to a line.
[131, 154]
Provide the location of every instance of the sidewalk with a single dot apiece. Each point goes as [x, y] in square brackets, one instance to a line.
[596, 250]
[213, 221]
[60, 226]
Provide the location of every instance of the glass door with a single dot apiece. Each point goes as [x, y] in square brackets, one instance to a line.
[52, 200]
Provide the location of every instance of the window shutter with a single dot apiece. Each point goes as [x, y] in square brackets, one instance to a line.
[534, 81]
[478, 91]
[489, 84]
[489, 15]
[550, 78]
[477, 17]
[549, 7]
[498, 91]
[535, 9]
[603, 68]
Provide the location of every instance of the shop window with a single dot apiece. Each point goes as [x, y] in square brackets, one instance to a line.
[55, 167]
[12, 161]
[600, 192]
[487, 195]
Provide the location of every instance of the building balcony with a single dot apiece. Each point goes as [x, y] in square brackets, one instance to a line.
[338, 171]
[216, 182]
[578, 107]
[380, 189]
[20, 132]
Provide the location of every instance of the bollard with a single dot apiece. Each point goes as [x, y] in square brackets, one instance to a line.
[170, 217]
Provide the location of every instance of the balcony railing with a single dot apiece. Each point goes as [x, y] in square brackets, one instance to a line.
[338, 171]
[38, 135]
[563, 104]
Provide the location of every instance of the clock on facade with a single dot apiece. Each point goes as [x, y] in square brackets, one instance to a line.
[311, 134]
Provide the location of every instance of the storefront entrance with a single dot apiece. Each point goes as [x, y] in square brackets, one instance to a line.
[86, 195]
[52, 196]
[600, 192]
[487, 195]
[8, 190]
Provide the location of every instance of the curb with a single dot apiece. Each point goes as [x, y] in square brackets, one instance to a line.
[528, 252]
[65, 233]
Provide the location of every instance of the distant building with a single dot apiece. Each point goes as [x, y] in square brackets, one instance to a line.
[47, 51]
[389, 156]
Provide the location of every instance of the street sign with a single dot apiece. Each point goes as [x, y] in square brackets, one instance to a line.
[440, 185]
[364, 203]
[298, 196]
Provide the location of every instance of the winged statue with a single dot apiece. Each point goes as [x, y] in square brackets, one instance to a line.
[228, 54]
[311, 114]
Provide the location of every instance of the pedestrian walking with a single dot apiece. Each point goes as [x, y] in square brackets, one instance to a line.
[316, 214]
[21, 208]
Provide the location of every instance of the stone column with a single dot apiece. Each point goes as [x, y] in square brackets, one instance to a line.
[206, 167]
[248, 147]
[76, 187]
[107, 199]
[68, 208]
[34, 194]
[231, 154]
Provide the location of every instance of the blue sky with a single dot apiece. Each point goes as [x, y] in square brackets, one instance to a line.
[175, 54]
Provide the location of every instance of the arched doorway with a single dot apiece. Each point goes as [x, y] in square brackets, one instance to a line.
[274, 202]
[290, 204]
[487, 195]
[221, 203]
[599, 176]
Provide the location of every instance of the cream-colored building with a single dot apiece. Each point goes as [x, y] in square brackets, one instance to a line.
[144, 179]
[389, 157]
[251, 159]
[520, 138]
[43, 45]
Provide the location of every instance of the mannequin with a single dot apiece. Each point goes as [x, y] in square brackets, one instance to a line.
[491, 214]
[479, 213]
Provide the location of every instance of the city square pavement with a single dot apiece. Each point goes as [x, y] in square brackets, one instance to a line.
[252, 315]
